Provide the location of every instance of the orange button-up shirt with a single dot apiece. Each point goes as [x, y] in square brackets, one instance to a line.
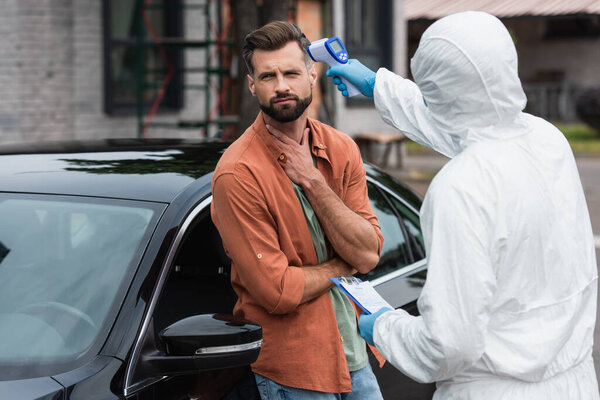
[265, 234]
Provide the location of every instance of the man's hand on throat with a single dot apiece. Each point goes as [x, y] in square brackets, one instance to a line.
[298, 162]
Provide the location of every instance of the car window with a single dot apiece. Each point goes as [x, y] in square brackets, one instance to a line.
[395, 251]
[62, 263]
[199, 281]
[413, 228]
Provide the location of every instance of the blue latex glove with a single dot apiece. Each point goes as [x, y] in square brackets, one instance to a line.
[367, 322]
[357, 74]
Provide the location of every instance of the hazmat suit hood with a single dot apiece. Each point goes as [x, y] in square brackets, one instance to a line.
[466, 69]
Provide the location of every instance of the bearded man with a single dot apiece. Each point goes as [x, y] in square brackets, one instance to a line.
[290, 202]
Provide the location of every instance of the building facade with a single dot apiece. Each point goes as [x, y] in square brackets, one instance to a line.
[558, 45]
[69, 69]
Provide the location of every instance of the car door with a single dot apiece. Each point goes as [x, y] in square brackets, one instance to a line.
[399, 277]
[197, 283]
[402, 268]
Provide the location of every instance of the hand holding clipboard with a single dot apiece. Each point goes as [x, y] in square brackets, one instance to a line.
[362, 293]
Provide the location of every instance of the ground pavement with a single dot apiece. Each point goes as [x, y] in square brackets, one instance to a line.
[419, 169]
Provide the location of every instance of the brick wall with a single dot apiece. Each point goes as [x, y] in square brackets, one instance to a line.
[9, 98]
[51, 74]
[37, 68]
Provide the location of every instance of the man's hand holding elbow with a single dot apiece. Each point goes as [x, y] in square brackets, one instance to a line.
[316, 278]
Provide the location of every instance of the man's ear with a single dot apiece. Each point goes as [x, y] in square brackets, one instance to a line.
[251, 85]
[312, 75]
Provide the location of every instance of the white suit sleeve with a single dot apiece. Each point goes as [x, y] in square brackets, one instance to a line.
[401, 104]
[449, 335]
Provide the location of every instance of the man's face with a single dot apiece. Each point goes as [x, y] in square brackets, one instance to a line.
[281, 83]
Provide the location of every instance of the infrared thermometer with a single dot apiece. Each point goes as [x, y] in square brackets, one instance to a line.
[333, 52]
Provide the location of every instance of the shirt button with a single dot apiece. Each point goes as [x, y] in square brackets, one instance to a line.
[282, 157]
[342, 338]
[259, 256]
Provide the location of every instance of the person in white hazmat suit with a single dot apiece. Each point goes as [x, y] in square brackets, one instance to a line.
[509, 306]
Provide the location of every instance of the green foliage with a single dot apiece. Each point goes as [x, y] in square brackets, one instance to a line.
[581, 137]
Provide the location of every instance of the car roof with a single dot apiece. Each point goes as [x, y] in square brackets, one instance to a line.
[139, 169]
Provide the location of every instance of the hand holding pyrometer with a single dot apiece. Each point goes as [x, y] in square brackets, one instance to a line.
[332, 52]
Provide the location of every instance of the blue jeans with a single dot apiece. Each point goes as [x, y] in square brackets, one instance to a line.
[364, 387]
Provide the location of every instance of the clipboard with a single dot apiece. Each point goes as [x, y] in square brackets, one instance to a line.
[362, 293]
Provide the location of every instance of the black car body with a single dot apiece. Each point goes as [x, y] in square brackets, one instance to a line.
[114, 283]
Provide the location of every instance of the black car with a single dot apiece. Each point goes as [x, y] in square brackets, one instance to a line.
[114, 283]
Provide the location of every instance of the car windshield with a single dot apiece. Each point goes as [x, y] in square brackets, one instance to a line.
[63, 262]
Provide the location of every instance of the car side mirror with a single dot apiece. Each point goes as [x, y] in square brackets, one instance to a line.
[202, 343]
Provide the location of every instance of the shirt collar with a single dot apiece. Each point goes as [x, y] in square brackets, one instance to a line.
[317, 137]
[261, 131]
[318, 145]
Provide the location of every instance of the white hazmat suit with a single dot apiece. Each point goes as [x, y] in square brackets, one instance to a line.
[509, 306]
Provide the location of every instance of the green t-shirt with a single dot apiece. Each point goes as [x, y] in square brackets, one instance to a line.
[353, 343]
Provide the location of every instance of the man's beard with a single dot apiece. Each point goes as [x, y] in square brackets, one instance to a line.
[286, 113]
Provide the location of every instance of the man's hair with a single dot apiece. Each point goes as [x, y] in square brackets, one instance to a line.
[273, 36]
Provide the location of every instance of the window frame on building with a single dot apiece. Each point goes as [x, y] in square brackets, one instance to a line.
[381, 44]
[565, 27]
[173, 21]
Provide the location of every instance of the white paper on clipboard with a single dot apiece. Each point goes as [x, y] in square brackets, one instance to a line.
[362, 293]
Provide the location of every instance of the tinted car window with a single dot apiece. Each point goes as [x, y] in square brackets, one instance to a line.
[394, 253]
[413, 227]
[199, 281]
[61, 266]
